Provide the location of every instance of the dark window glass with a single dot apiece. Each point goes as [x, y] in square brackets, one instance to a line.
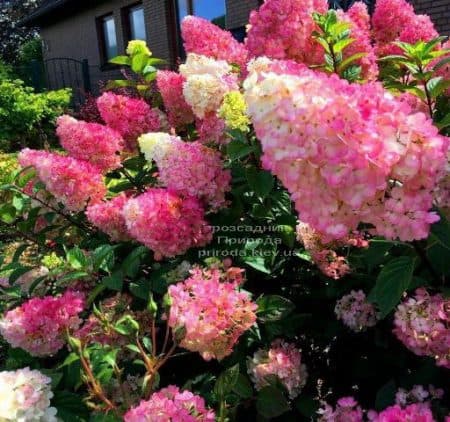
[137, 23]
[109, 37]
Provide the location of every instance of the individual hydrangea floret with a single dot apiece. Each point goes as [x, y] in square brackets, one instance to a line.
[108, 217]
[98, 144]
[25, 397]
[211, 312]
[189, 169]
[203, 37]
[347, 153]
[75, 183]
[283, 360]
[166, 223]
[422, 325]
[131, 117]
[171, 404]
[39, 325]
[355, 311]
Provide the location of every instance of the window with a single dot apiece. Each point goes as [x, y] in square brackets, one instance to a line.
[108, 38]
[215, 11]
[134, 23]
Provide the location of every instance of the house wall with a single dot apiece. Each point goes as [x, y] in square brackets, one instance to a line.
[75, 36]
[438, 10]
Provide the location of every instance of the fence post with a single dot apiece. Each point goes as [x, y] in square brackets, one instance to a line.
[86, 75]
[36, 75]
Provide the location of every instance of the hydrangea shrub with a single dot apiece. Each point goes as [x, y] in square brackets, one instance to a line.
[259, 233]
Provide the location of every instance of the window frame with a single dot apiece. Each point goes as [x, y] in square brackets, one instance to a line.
[101, 36]
[126, 21]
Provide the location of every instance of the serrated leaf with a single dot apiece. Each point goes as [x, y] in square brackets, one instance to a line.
[226, 381]
[273, 308]
[393, 280]
[271, 402]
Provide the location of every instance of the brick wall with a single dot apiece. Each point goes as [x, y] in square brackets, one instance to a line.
[238, 12]
[438, 10]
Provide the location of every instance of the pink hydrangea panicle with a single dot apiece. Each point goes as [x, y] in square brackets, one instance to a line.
[356, 312]
[75, 183]
[39, 325]
[347, 410]
[418, 394]
[211, 129]
[282, 360]
[395, 20]
[108, 217]
[166, 223]
[422, 325]
[93, 142]
[189, 169]
[170, 85]
[339, 147]
[211, 312]
[171, 404]
[131, 117]
[25, 396]
[358, 18]
[200, 36]
[416, 412]
[282, 29]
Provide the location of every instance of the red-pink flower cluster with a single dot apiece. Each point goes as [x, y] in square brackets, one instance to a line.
[324, 256]
[395, 20]
[171, 404]
[108, 217]
[211, 129]
[347, 410]
[166, 223]
[39, 325]
[130, 117]
[203, 37]
[211, 312]
[75, 183]
[358, 18]
[422, 324]
[355, 311]
[282, 29]
[170, 86]
[189, 169]
[98, 144]
[347, 153]
[416, 412]
[283, 360]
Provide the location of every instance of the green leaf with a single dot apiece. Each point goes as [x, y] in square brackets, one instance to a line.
[122, 60]
[341, 45]
[114, 281]
[226, 381]
[104, 417]
[237, 149]
[138, 62]
[307, 406]
[260, 181]
[257, 262]
[273, 308]
[7, 213]
[76, 258]
[393, 280]
[271, 402]
[243, 387]
[440, 231]
[385, 395]
[441, 63]
[436, 86]
[120, 83]
[70, 406]
[444, 122]
[132, 262]
[349, 60]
